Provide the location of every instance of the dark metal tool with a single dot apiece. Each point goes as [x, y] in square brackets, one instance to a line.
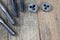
[6, 14]
[13, 8]
[21, 5]
[6, 27]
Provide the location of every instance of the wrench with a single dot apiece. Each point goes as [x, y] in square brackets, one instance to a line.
[6, 27]
[13, 8]
[6, 14]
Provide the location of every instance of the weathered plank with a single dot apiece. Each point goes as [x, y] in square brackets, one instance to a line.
[27, 28]
[48, 22]
[30, 26]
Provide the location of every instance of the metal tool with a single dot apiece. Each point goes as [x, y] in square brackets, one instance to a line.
[6, 14]
[13, 8]
[46, 7]
[6, 27]
[21, 5]
[32, 7]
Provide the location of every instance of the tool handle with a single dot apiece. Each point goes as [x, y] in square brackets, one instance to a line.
[14, 11]
[21, 5]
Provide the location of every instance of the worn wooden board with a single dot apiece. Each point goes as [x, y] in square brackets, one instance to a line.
[27, 28]
[34, 26]
[49, 21]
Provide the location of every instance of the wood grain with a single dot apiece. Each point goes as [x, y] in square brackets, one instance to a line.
[27, 28]
[48, 21]
[33, 26]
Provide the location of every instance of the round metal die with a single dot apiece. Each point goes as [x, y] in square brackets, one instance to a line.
[32, 7]
[46, 7]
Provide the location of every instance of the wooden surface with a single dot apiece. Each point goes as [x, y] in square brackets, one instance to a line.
[34, 26]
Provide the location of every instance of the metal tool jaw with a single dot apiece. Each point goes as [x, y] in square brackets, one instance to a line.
[7, 27]
[6, 14]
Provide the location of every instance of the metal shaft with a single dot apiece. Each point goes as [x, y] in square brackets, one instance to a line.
[6, 14]
[21, 5]
[13, 8]
[6, 27]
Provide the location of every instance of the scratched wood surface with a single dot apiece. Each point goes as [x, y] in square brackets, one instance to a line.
[34, 26]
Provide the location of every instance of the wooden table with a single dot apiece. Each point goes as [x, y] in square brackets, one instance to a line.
[34, 26]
